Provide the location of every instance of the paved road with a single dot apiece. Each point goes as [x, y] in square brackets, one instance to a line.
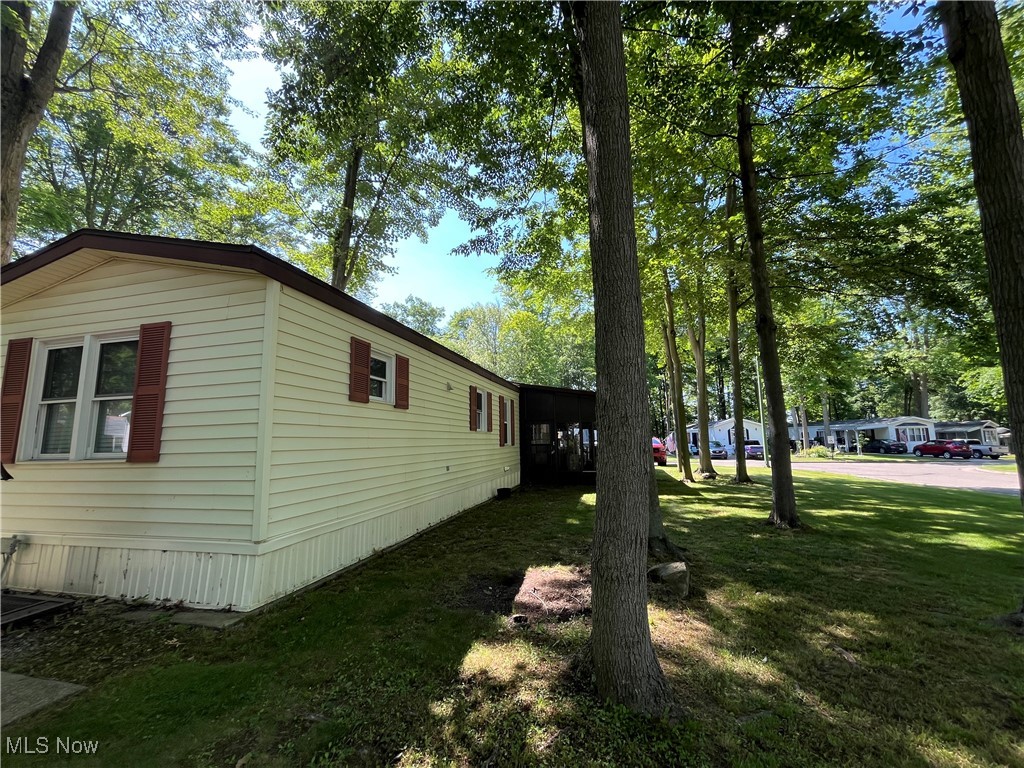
[939, 473]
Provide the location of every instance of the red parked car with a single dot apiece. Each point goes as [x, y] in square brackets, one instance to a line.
[660, 457]
[947, 449]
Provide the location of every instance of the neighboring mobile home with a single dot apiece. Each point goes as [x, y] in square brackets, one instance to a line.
[205, 423]
[985, 430]
[724, 432]
[911, 430]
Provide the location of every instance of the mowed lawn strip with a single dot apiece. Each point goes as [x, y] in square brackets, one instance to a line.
[863, 639]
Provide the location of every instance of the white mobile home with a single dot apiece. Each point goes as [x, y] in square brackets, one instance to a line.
[205, 423]
[724, 431]
[911, 430]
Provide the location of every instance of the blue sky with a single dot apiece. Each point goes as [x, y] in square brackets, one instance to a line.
[427, 270]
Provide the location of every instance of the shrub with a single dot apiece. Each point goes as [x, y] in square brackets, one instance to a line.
[816, 452]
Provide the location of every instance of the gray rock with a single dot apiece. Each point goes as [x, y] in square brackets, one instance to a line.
[674, 575]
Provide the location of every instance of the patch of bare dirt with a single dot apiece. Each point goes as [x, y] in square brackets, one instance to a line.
[539, 594]
[553, 594]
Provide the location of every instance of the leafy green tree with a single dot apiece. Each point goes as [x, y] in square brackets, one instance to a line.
[359, 124]
[145, 162]
[419, 314]
[104, 54]
[27, 84]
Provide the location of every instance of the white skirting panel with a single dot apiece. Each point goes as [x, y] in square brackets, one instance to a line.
[199, 579]
[286, 569]
[215, 580]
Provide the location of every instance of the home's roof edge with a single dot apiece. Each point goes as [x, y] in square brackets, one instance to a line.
[244, 257]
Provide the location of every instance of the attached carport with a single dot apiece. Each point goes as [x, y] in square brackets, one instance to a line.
[911, 430]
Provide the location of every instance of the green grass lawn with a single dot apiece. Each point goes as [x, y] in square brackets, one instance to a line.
[864, 639]
[866, 457]
[1005, 464]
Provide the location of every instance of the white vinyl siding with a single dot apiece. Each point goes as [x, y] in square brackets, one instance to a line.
[202, 489]
[336, 463]
[269, 477]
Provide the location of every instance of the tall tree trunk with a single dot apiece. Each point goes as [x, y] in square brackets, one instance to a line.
[696, 334]
[676, 385]
[997, 154]
[659, 545]
[343, 257]
[739, 433]
[720, 385]
[803, 424]
[23, 99]
[678, 406]
[783, 494]
[826, 428]
[696, 339]
[923, 398]
[625, 666]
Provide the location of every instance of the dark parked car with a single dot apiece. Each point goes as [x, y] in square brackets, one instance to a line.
[753, 449]
[884, 446]
[660, 457]
[947, 449]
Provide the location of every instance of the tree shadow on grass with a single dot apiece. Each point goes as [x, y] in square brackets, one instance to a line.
[384, 664]
[875, 622]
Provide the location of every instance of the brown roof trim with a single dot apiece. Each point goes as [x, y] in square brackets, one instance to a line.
[244, 257]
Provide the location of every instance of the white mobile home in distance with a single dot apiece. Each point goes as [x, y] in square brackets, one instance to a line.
[206, 423]
[724, 432]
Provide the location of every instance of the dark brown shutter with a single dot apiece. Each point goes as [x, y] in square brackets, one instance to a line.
[359, 371]
[150, 385]
[472, 409]
[490, 413]
[501, 420]
[401, 382]
[512, 421]
[12, 400]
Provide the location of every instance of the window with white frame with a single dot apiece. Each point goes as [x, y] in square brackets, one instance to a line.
[481, 411]
[382, 377]
[83, 402]
[912, 434]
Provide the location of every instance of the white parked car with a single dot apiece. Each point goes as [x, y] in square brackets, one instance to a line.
[981, 451]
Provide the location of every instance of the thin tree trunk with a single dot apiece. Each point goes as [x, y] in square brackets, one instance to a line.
[923, 397]
[625, 666]
[739, 433]
[783, 494]
[803, 424]
[678, 407]
[659, 545]
[696, 334]
[344, 259]
[720, 385]
[997, 154]
[826, 428]
[705, 467]
[23, 100]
